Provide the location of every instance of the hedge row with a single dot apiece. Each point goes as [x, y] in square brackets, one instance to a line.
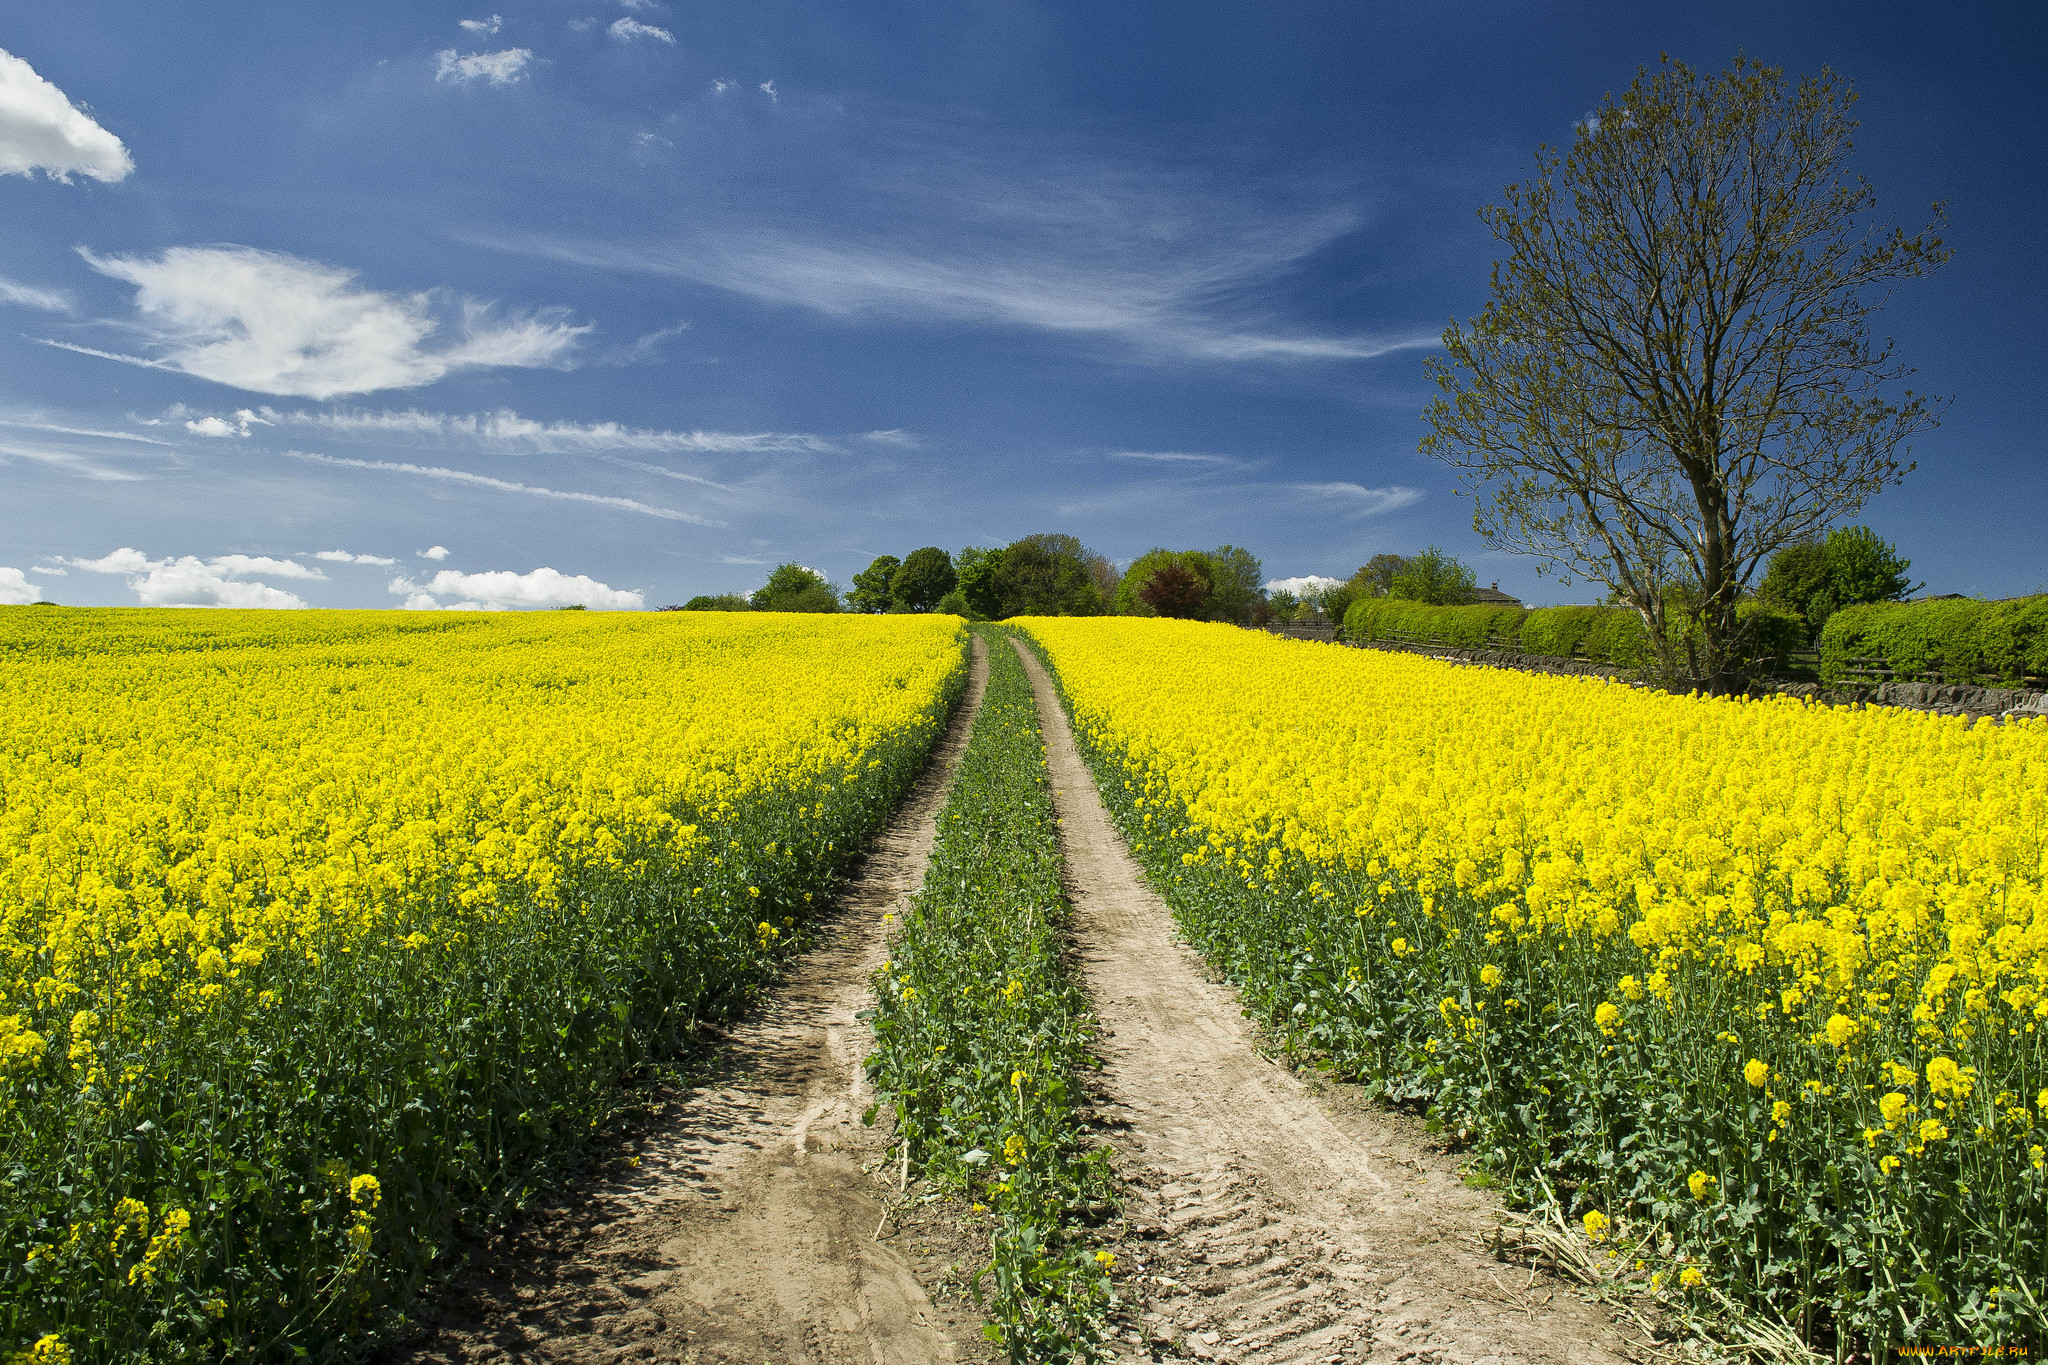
[980, 1033]
[1604, 635]
[1959, 641]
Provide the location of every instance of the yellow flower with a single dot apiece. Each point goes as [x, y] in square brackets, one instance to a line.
[1756, 1072]
[1893, 1107]
[1607, 1014]
[1692, 1277]
[1780, 1111]
[1841, 1029]
[1932, 1130]
[1016, 1079]
[1105, 1259]
[365, 1191]
[1014, 1150]
[1595, 1223]
[1698, 1182]
[48, 1350]
[1489, 976]
[1944, 1077]
[1400, 946]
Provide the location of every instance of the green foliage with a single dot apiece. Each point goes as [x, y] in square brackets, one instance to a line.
[1606, 635]
[1046, 575]
[792, 587]
[1234, 576]
[981, 1035]
[1433, 577]
[1375, 578]
[953, 604]
[1853, 565]
[874, 585]
[1957, 641]
[729, 601]
[1470, 627]
[976, 570]
[1225, 584]
[924, 580]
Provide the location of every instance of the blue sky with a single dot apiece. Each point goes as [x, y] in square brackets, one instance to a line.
[627, 302]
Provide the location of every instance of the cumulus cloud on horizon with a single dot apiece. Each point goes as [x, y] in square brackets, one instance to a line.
[16, 590]
[1308, 582]
[344, 557]
[503, 590]
[277, 324]
[188, 581]
[42, 130]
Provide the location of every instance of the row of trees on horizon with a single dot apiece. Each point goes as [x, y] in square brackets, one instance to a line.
[1056, 575]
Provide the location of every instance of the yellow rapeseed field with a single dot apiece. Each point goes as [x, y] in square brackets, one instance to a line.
[322, 933]
[1756, 989]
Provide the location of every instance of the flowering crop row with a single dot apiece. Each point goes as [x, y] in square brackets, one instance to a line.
[1758, 987]
[981, 1033]
[323, 935]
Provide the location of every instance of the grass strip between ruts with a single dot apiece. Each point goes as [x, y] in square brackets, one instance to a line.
[981, 1034]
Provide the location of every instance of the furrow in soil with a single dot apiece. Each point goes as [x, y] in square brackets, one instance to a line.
[747, 1230]
[1272, 1222]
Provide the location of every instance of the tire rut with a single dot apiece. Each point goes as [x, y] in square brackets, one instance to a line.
[744, 1230]
[1270, 1225]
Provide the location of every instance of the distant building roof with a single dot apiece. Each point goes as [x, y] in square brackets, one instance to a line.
[1494, 597]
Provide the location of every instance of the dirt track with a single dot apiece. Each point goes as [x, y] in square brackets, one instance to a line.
[746, 1233]
[1285, 1227]
[1272, 1222]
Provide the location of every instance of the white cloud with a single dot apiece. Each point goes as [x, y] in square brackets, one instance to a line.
[1170, 457]
[504, 485]
[1309, 582]
[931, 224]
[720, 86]
[507, 590]
[187, 581]
[222, 426]
[768, 89]
[344, 557]
[506, 432]
[483, 27]
[639, 6]
[16, 590]
[85, 431]
[41, 130]
[626, 30]
[894, 436]
[433, 552]
[499, 68]
[1359, 500]
[272, 323]
[28, 296]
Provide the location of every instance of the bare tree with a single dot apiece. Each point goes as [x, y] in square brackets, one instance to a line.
[1674, 375]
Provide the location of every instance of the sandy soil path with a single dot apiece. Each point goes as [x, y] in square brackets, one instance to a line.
[1285, 1225]
[746, 1233]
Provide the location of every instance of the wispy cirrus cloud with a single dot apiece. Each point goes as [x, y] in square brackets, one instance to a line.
[506, 432]
[924, 224]
[277, 324]
[28, 296]
[1179, 457]
[463, 476]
